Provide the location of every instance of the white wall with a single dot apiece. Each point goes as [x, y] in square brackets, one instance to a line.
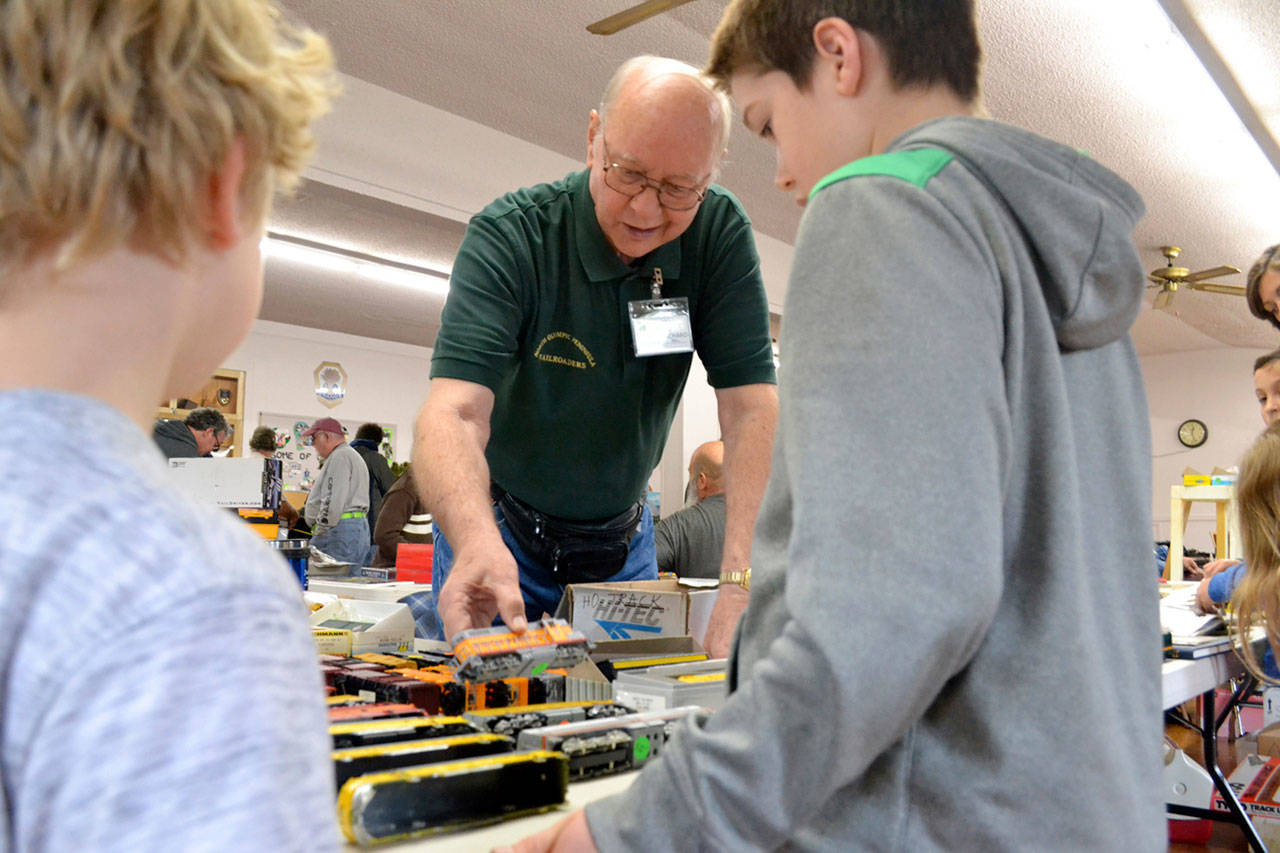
[386, 382]
[1215, 386]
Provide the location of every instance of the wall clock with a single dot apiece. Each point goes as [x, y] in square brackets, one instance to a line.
[1192, 432]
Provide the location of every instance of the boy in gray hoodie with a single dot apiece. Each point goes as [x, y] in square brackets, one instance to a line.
[951, 640]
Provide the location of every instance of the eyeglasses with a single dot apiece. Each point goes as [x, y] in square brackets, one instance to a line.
[631, 183]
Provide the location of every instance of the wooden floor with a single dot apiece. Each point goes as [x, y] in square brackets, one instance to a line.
[1226, 837]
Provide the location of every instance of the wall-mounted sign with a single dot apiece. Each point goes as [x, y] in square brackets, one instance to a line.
[331, 383]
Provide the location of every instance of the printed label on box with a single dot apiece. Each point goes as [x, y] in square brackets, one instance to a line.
[627, 614]
[639, 701]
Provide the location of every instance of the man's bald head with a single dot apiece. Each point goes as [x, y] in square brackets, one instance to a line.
[706, 469]
[656, 88]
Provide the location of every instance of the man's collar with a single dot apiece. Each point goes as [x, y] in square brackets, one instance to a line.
[599, 259]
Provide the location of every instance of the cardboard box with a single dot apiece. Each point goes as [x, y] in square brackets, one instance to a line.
[634, 609]
[644, 647]
[1269, 741]
[367, 588]
[702, 684]
[1255, 782]
[227, 482]
[376, 626]
[583, 682]
[1224, 476]
[1192, 477]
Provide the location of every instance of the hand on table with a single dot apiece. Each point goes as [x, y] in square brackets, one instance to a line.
[570, 835]
[1203, 601]
[484, 583]
[1211, 569]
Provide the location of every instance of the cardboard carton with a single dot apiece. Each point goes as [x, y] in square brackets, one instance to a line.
[229, 482]
[636, 609]
[1192, 477]
[1255, 781]
[370, 626]
[1269, 741]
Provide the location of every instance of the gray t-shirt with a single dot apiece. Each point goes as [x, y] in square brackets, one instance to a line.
[343, 487]
[159, 689]
[691, 541]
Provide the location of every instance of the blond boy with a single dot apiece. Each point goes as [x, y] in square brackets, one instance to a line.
[158, 688]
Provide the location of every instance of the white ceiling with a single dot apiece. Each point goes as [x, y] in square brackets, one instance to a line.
[449, 104]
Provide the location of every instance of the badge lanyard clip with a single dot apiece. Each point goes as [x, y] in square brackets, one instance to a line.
[660, 326]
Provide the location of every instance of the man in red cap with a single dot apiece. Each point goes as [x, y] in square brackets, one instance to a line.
[338, 505]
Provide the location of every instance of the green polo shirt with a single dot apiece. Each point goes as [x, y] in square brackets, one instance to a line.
[537, 312]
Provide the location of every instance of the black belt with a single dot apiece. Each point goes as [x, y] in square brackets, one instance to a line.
[572, 551]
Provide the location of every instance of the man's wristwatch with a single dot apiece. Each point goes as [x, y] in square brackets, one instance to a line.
[742, 578]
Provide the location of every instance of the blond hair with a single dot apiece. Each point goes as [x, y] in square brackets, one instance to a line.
[1257, 597]
[114, 114]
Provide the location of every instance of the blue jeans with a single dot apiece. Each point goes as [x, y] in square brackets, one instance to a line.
[541, 591]
[348, 542]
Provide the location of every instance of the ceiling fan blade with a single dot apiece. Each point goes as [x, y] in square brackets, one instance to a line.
[610, 25]
[1163, 299]
[1229, 289]
[1201, 275]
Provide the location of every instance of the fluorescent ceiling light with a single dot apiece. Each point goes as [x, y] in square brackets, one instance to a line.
[345, 262]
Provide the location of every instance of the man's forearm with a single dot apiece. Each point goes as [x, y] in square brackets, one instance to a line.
[452, 475]
[748, 417]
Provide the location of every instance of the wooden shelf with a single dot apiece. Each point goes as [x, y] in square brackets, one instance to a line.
[225, 385]
[1226, 541]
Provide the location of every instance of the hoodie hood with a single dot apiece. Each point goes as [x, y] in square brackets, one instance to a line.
[1076, 216]
[174, 439]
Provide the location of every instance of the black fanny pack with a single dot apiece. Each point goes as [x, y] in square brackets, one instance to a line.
[573, 551]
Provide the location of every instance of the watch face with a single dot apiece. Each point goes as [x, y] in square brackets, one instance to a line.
[1192, 433]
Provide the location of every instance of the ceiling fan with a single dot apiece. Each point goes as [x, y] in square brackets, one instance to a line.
[1170, 278]
[610, 25]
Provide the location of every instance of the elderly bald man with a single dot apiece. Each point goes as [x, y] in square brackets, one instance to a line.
[691, 541]
[573, 312]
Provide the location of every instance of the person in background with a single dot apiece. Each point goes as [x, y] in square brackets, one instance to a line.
[404, 518]
[1256, 598]
[1262, 286]
[338, 504]
[368, 443]
[1221, 577]
[690, 541]
[203, 431]
[172, 701]
[263, 443]
[958, 372]
[548, 408]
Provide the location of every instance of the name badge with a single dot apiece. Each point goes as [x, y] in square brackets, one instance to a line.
[660, 326]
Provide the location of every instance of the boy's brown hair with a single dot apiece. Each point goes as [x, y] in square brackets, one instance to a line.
[1263, 360]
[926, 42]
[1268, 261]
